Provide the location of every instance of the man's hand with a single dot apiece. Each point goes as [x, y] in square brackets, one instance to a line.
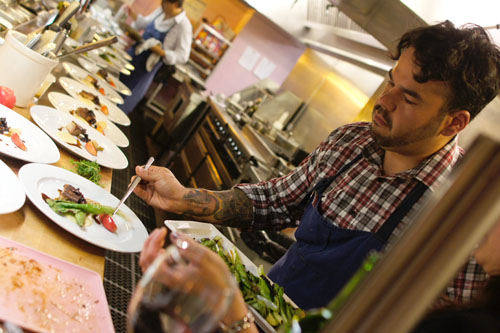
[160, 188]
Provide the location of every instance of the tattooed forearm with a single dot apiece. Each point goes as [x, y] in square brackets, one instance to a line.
[231, 208]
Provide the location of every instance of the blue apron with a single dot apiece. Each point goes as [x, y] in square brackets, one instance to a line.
[140, 79]
[325, 256]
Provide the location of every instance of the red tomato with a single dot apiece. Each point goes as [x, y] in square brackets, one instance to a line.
[102, 91]
[107, 222]
[7, 97]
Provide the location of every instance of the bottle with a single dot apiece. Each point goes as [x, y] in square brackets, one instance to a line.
[316, 319]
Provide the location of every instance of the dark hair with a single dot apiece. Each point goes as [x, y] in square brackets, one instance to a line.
[178, 2]
[463, 57]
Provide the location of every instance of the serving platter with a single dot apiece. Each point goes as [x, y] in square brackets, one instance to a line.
[12, 196]
[81, 74]
[74, 87]
[66, 103]
[48, 179]
[42, 293]
[198, 231]
[40, 147]
[52, 121]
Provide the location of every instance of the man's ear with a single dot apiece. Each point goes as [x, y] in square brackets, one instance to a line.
[456, 122]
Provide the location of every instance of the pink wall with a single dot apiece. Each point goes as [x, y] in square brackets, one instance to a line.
[270, 41]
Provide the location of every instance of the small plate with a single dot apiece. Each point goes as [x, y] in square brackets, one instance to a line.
[67, 103]
[74, 87]
[40, 148]
[52, 297]
[52, 120]
[92, 68]
[12, 196]
[48, 179]
[80, 74]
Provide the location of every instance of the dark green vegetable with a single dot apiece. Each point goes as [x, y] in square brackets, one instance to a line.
[88, 169]
[257, 291]
[64, 207]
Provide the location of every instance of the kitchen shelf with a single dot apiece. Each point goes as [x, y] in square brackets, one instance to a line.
[208, 47]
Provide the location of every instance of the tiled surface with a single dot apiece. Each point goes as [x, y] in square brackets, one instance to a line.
[121, 271]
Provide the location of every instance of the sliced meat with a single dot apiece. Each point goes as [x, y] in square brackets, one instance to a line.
[71, 193]
[75, 129]
[86, 114]
[93, 98]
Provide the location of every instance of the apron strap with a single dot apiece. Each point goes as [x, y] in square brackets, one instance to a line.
[393, 221]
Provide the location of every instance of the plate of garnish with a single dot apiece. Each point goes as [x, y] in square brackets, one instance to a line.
[93, 100]
[82, 207]
[95, 119]
[79, 138]
[21, 139]
[113, 80]
[93, 81]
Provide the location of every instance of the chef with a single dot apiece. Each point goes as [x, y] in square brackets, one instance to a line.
[363, 185]
[167, 39]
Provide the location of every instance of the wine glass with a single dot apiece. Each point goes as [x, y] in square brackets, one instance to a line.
[175, 296]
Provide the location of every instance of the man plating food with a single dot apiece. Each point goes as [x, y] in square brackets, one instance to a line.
[361, 187]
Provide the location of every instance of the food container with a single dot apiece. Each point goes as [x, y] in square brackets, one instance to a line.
[23, 70]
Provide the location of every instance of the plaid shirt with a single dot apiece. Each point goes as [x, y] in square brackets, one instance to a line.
[362, 198]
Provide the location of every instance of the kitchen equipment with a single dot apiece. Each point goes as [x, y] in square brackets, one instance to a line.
[91, 46]
[133, 185]
[23, 70]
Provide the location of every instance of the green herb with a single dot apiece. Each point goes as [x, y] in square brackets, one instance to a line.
[257, 291]
[88, 169]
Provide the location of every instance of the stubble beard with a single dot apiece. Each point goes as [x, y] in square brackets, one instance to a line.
[411, 136]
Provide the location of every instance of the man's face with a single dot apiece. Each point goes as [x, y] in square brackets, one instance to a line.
[407, 117]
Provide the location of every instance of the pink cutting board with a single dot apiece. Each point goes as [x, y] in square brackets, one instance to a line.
[43, 293]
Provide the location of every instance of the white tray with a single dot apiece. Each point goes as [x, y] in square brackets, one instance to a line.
[198, 230]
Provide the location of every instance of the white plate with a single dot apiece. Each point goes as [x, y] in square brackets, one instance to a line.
[40, 148]
[117, 58]
[51, 120]
[74, 87]
[39, 178]
[12, 196]
[67, 103]
[90, 67]
[80, 74]
[121, 52]
[113, 63]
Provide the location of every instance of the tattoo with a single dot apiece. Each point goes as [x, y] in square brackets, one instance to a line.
[231, 208]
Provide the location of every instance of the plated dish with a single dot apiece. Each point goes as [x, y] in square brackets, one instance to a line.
[12, 196]
[30, 144]
[110, 78]
[60, 127]
[48, 179]
[103, 59]
[70, 105]
[93, 81]
[91, 98]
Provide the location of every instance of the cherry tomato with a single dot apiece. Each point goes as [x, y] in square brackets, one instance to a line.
[107, 222]
[102, 91]
[7, 97]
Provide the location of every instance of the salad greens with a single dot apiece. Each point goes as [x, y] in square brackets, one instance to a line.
[88, 169]
[79, 211]
[257, 291]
